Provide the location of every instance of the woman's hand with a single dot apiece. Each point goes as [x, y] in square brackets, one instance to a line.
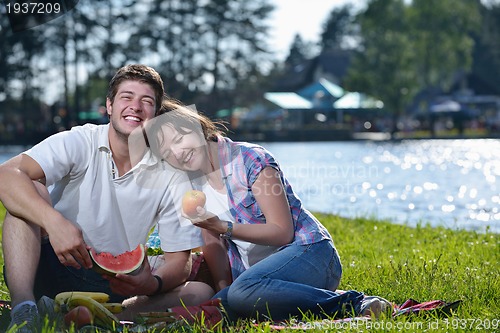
[207, 220]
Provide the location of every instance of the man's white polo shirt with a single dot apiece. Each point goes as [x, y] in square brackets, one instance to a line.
[114, 213]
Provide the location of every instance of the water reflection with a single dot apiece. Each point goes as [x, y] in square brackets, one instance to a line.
[442, 182]
[453, 183]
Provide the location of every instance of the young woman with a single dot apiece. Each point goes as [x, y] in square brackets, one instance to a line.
[269, 256]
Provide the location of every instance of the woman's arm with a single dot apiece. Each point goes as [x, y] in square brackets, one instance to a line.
[270, 195]
[215, 254]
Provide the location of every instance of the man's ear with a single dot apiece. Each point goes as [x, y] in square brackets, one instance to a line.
[109, 107]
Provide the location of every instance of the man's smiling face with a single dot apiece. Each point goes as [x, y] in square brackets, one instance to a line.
[134, 103]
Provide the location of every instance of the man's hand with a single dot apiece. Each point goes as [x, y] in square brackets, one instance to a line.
[142, 283]
[174, 271]
[68, 244]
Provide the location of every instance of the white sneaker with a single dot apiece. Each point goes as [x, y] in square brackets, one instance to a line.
[374, 306]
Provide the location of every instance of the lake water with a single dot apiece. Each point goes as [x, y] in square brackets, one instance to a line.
[451, 183]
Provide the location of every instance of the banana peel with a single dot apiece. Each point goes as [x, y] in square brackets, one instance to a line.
[114, 307]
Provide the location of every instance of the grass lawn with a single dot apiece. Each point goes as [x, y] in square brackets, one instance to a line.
[398, 262]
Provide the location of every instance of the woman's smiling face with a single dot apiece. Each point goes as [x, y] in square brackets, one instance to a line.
[182, 148]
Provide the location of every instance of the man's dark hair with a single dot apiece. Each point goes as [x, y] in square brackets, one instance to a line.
[141, 73]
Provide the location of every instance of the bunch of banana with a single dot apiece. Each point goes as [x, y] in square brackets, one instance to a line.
[96, 302]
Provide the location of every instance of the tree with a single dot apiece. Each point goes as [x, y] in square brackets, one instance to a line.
[406, 48]
[382, 66]
[299, 52]
[204, 47]
[235, 35]
[486, 56]
[7, 72]
[441, 29]
[339, 27]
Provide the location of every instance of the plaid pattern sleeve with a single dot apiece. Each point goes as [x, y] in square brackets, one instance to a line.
[241, 164]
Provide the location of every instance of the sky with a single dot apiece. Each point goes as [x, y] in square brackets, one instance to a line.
[304, 17]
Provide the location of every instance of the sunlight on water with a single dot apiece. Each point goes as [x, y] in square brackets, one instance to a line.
[453, 183]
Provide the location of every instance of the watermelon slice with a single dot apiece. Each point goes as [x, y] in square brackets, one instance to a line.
[126, 263]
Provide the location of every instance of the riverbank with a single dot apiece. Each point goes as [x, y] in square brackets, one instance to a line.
[346, 134]
[425, 263]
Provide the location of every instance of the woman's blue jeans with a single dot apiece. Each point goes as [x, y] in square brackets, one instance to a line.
[294, 280]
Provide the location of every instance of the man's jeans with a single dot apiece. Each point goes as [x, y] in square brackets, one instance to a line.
[296, 279]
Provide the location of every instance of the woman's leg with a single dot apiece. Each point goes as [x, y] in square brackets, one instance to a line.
[289, 282]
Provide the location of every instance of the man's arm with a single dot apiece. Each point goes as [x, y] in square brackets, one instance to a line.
[176, 269]
[18, 193]
[173, 272]
[21, 199]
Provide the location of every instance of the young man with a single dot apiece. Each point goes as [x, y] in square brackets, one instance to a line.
[99, 198]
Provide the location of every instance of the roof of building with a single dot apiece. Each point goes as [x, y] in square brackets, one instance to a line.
[288, 100]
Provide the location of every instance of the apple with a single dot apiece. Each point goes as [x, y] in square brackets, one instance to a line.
[191, 200]
[79, 316]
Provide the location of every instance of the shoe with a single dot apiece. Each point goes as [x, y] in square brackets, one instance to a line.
[46, 310]
[25, 318]
[374, 306]
[45, 307]
[208, 314]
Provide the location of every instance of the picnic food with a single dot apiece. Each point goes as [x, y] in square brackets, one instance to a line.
[79, 316]
[68, 301]
[191, 200]
[114, 307]
[98, 296]
[125, 263]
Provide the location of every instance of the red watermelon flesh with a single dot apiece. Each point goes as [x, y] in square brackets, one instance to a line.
[125, 263]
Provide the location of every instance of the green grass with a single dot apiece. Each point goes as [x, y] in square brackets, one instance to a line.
[400, 262]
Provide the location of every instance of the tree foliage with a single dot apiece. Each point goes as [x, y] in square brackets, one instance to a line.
[216, 53]
[408, 47]
[299, 52]
[199, 46]
[338, 28]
